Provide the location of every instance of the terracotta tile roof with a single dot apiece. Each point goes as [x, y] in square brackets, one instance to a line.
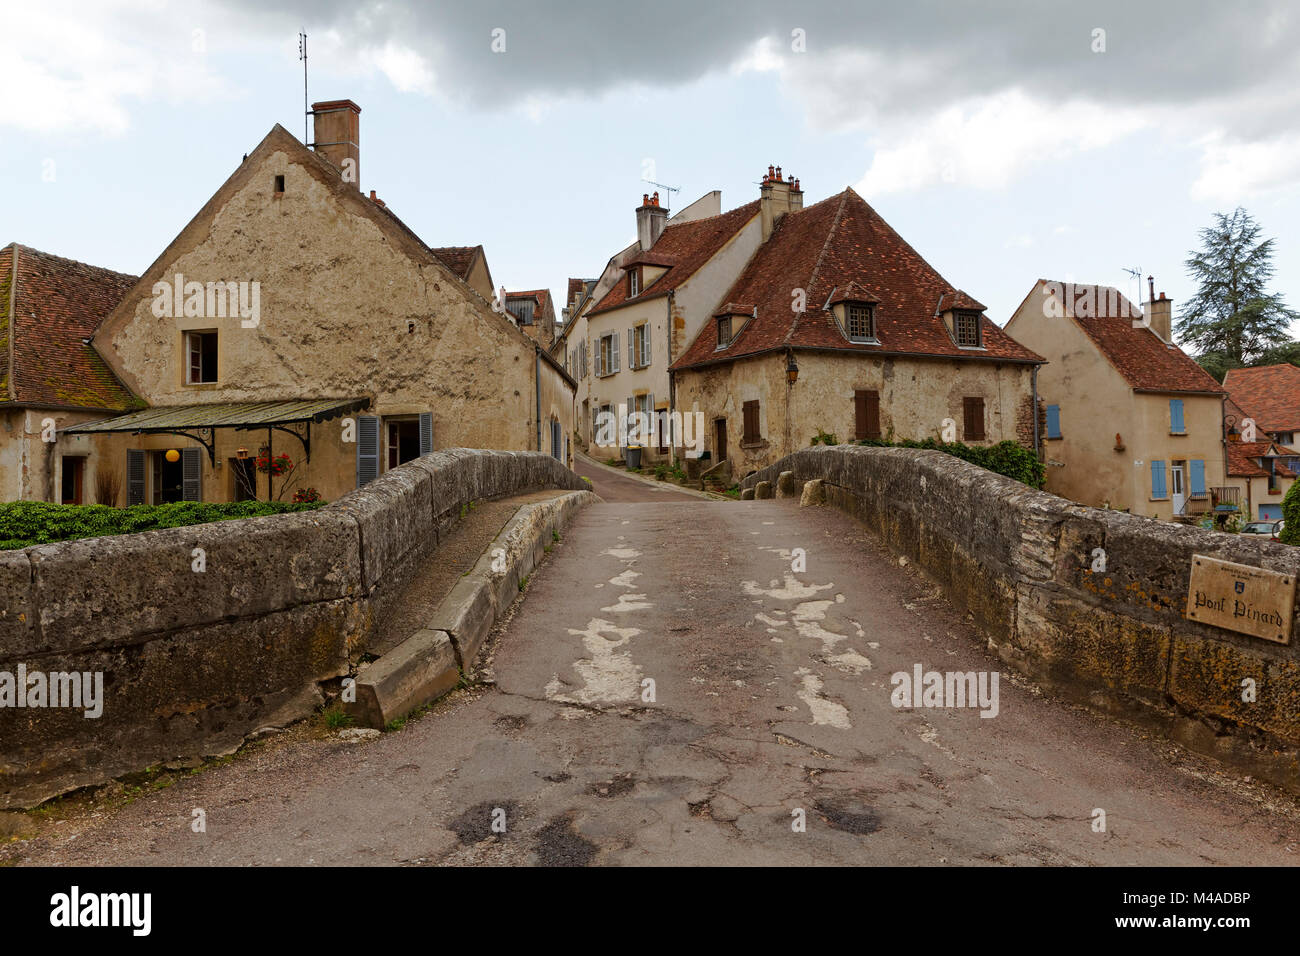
[576, 288]
[736, 308]
[54, 304]
[841, 244]
[458, 259]
[684, 247]
[1137, 353]
[1242, 457]
[544, 311]
[1269, 394]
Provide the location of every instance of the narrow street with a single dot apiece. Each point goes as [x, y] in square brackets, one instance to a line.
[669, 691]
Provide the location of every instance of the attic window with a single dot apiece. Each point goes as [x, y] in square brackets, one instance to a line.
[861, 321]
[279, 183]
[633, 282]
[724, 331]
[966, 326]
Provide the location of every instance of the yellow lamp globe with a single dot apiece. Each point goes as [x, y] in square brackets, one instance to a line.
[172, 455]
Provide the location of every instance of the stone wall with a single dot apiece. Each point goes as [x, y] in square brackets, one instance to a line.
[195, 661]
[1020, 562]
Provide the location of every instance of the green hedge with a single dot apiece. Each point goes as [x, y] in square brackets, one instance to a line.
[24, 523]
[1291, 514]
[1006, 457]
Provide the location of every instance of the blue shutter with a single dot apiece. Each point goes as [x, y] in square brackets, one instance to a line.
[1053, 421]
[1158, 489]
[1176, 415]
[1198, 478]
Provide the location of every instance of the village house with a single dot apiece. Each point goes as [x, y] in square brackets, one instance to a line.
[1264, 471]
[51, 377]
[1262, 424]
[837, 326]
[650, 302]
[1270, 397]
[296, 316]
[571, 350]
[534, 313]
[1133, 423]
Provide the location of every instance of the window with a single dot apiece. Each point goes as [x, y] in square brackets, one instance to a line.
[861, 322]
[866, 414]
[1176, 424]
[633, 282]
[403, 442]
[279, 184]
[972, 419]
[638, 346]
[967, 328]
[607, 354]
[1158, 489]
[1053, 421]
[751, 433]
[201, 358]
[724, 331]
[522, 310]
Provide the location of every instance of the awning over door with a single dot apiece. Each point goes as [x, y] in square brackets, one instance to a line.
[193, 421]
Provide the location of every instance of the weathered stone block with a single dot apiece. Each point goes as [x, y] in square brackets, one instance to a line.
[763, 490]
[1210, 677]
[747, 494]
[416, 672]
[786, 485]
[17, 615]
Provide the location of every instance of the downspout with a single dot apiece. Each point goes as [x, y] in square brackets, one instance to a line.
[672, 380]
[537, 380]
[1037, 450]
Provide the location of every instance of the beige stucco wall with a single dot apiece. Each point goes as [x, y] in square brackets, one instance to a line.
[29, 466]
[1097, 404]
[916, 395]
[348, 309]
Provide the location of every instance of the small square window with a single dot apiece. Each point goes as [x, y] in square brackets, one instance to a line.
[967, 329]
[861, 322]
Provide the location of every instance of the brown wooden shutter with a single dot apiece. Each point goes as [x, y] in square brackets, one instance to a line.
[866, 414]
[751, 422]
[973, 412]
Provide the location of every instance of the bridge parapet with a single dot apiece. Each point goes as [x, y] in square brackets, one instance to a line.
[1089, 603]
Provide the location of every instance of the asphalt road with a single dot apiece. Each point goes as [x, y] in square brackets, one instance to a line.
[770, 706]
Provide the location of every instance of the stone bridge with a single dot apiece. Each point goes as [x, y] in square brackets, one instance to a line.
[692, 680]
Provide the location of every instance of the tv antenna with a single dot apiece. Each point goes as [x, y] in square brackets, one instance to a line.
[1137, 277]
[671, 189]
[302, 55]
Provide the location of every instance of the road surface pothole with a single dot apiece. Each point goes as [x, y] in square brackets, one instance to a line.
[618, 785]
[510, 722]
[559, 845]
[841, 814]
[475, 824]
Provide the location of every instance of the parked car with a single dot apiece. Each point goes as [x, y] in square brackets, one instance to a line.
[1277, 529]
[1259, 527]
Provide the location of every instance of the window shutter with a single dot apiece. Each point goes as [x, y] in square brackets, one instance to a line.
[1198, 478]
[866, 414]
[750, 421]
[1176, 415]
[1158, 479]
[426, 432]
[192, 474]
[367, 449]
[1053, 421]
[973, 412]
[134, 477]
[645, 345]
[613, 354]
[631, 348]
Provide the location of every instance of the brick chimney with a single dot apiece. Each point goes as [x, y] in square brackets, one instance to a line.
[778, 195]
[1159, 315]
[650, 219]
[337, 136]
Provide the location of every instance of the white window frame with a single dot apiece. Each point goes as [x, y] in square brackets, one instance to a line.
[865, 337]
[191, 337]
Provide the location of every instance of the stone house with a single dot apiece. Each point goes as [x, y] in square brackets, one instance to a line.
[571, 350]
[534, 313]
[838, 326]
[1264, 471]
[1270, 396]
[51, 377]
[1133, 423]
[649, 303]
[295, 315]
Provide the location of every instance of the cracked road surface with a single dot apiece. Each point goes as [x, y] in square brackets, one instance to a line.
[771, 695]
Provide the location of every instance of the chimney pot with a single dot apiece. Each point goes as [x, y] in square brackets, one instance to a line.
[778, 172]
[770, 173]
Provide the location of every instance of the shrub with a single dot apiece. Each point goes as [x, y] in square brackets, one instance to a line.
[1006, 457]
[1291, 514]
[824, 438]
[306, 496]
[25, 523]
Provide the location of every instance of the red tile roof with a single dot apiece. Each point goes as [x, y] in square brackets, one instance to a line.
[1242, 457]
[684, 247]
[1136, 352]
[545, 311]
[46, 311]
[458, 259]
[1269, 394]
[841, 244]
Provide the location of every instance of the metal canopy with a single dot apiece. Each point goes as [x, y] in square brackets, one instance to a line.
[192, 421]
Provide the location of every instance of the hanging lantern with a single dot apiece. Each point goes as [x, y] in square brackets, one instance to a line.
[172, 455]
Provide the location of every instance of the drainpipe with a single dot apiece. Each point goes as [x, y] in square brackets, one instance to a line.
[1037, 450]
[672, 380]
[537, 379]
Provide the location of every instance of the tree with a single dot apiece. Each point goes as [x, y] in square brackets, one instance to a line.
[1233, 316]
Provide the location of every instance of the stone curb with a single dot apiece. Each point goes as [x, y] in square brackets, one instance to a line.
[430, 662]
[654, 482]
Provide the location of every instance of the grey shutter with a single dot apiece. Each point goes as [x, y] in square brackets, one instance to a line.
[367, 449]
[426, 432]
[134, 476]
[613, 352]
[192, 474]
[631, 348]
[645, 346]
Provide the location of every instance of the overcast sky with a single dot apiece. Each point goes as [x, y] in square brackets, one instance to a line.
[1005, 141]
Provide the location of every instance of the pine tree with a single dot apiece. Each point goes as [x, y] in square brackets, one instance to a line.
[1232, 316]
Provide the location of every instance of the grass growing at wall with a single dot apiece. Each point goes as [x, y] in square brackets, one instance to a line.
[1291, 513]
[24, 523]
[1006, 457]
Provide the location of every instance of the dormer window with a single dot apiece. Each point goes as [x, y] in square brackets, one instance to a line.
[724, 331]
[860, 319]
[633, 282]
[966, 329]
